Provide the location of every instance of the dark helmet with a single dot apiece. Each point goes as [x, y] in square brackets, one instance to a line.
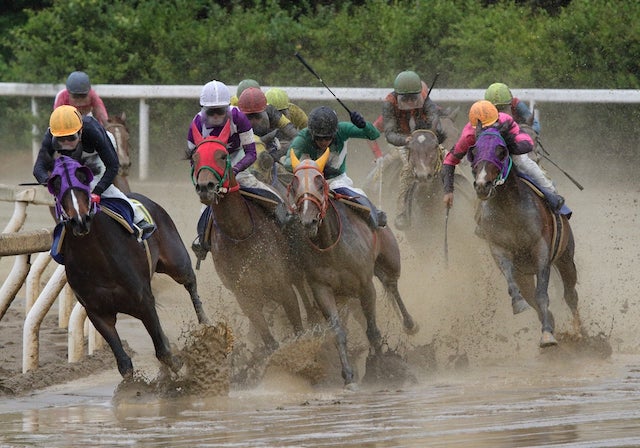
[78, 83]
[323, 122]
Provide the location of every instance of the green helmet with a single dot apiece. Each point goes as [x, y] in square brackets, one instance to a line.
[245, 84]
[278, 98]
[499, 94]
[407, 82]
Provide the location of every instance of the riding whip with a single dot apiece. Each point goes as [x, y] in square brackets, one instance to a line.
[546, 157]
[446, 243]
[314, 73]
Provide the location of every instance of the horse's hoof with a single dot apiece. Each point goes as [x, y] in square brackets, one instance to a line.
[547, 339]
[351, 387]
[412, 329]
[519, 306]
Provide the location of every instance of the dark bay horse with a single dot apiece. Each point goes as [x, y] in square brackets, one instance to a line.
[525, 238]
[117, 125]
[110, 270]
[250, 252]
[341, 254]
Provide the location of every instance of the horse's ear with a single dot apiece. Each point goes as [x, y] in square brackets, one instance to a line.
[294, 160]
[322, 160]
[478, 128]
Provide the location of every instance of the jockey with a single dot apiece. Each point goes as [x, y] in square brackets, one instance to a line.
[486, 114]
[280, 100]
[83, 139]
[404, 110]
[501, 97]
[80, 95]
[217, 117]
[324, 131]
[242, 86]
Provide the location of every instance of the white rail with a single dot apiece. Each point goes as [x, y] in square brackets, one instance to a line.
[145, 92]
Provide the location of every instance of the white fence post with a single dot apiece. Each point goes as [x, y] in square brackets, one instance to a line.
[31, 343]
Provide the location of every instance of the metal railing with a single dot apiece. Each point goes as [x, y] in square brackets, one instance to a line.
[146, 92]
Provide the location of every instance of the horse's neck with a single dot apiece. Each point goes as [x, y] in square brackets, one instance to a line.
[329, 229]
[232, 215]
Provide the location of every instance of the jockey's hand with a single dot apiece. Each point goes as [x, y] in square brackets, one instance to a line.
[448, 200]
[95, 198]
[358, 119]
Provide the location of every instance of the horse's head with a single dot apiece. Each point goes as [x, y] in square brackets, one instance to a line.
[490, 162]
[117, 125]
[425, 154]
[211, 171]
[308, 192]
[69, 184]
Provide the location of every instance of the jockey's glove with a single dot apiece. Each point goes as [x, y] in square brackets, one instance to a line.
[358, 119]
[95, 198]
[447, 177]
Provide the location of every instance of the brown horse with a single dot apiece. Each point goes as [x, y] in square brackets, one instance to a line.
[524, 236]
[117, 126]
[110, 270]
[250, 252]
[341, 254]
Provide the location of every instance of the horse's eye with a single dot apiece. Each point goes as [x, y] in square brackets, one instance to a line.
[501, 152]
[82, 177]
[55, 184]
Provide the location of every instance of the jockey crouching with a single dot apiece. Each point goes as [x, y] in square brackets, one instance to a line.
[482, 115]
[324, 131]
[217, 118]
[85, 140]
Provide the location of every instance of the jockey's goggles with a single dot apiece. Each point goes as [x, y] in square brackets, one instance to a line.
[318, 138]
[68, 138]
[211, 111]
[407, 101]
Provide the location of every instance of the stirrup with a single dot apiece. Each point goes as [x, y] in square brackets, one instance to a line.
[382, 219]
[146, 228]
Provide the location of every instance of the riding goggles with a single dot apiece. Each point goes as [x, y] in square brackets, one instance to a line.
[211, 111]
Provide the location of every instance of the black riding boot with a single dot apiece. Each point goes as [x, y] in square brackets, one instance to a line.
[555, 201]
[200, 247]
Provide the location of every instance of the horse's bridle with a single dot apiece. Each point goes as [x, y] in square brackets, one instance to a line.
[441, 151]
[321, 202]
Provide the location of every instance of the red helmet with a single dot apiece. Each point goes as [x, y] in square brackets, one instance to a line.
[252, 101]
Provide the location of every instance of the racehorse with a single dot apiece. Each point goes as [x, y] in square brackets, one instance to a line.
[524, 236]
[117, 126]
[109, 269]
[341, 253]
[250, 252]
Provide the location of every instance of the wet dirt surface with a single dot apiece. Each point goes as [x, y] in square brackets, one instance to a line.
[472, 377]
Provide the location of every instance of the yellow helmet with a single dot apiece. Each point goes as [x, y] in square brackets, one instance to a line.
[65, 120]
[278, 98]
[484, 112]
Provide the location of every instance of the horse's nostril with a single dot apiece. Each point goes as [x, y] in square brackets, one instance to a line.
[211, 186]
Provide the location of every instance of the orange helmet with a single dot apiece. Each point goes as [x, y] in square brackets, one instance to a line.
[65, 120]
[252, 101]
[484, 112]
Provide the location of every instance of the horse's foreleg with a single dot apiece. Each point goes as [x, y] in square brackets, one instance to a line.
[292, 309]
[544, 313]
[106, 326]
[252, 308]
[326, 301]
[192, 288]
[503, 260]
[151, 322]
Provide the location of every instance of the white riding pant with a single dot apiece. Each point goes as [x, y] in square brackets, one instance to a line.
[527, 166]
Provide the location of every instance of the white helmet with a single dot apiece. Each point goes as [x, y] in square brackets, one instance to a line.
[215, 94]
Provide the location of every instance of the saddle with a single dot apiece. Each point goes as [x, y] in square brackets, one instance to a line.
[559, 230]
[117, 209]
